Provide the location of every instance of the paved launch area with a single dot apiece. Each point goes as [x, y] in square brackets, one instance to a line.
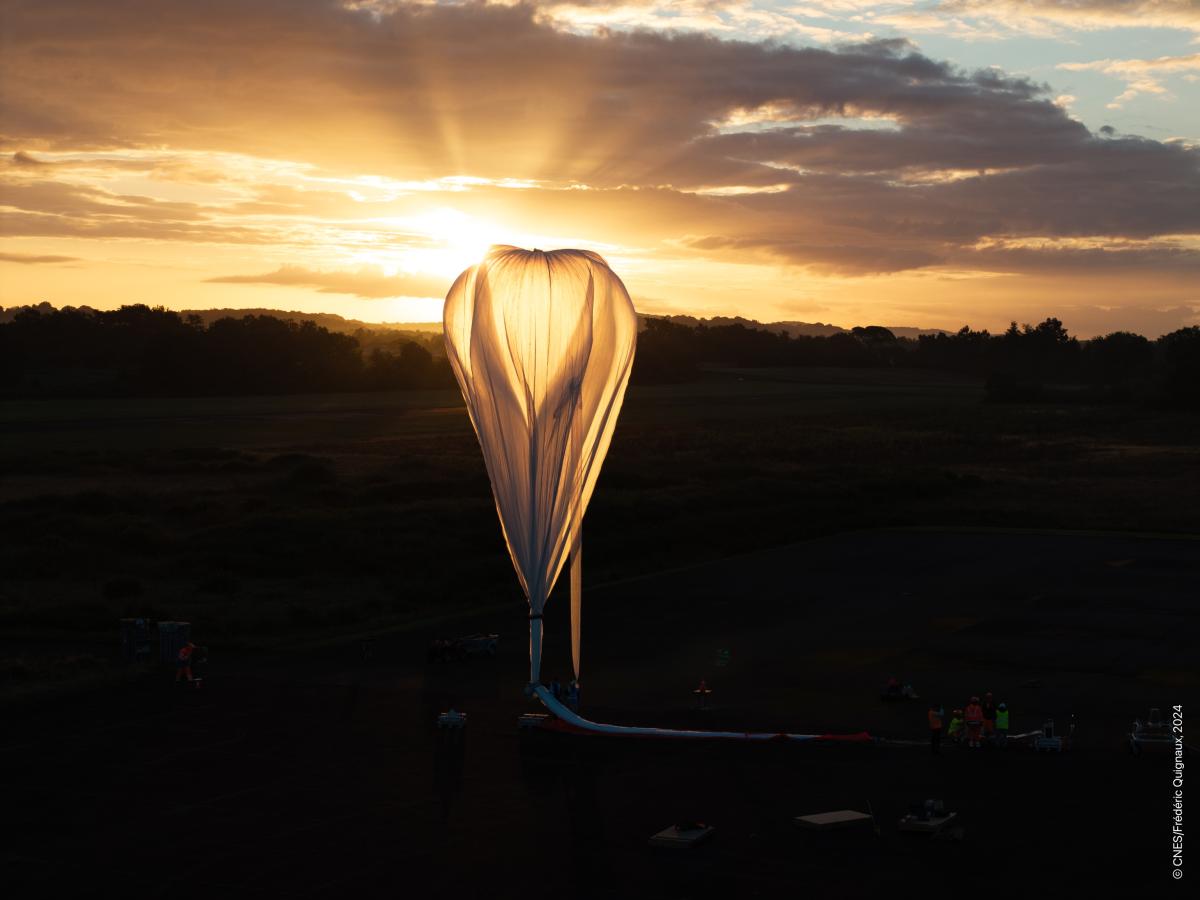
[321, 774]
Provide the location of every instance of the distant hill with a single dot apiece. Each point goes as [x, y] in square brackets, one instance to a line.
[791, 329]
[342, 325]
[903, 331]
[330, 321]
[7, 315]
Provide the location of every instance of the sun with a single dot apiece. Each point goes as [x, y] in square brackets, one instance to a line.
[460, 240]
[443, 241]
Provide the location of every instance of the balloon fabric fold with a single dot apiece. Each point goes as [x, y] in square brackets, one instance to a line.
[542, 344]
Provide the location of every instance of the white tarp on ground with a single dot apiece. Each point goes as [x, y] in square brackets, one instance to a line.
[542, 345]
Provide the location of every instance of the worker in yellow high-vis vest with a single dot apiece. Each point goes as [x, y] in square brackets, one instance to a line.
[1001, 724]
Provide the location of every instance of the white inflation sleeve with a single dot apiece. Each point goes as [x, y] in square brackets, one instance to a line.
[577, 721]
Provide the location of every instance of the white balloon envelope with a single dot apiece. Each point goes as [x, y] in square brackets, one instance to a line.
[542, 344]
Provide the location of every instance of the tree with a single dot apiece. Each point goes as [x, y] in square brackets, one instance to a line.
[1180, 354]
[1117, 359]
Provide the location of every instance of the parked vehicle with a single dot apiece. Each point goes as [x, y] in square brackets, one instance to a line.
[470, 647]
[1152, 735]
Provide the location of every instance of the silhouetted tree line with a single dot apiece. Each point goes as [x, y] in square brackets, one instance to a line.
[139, 350]
[1024, 363]
[143, 350]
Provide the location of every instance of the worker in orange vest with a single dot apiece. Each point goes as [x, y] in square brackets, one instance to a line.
[183, 663]
[974, 717]
[936, 713]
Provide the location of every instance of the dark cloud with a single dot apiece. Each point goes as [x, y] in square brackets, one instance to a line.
[62, 198]
[1009, 134]
[62, 209]
[649, 121]
[1163, 260]
[1126, 187]
[441, 90]
[842, 258]
[363, 283]
[161, 163]
[35, 258]
[14, 223]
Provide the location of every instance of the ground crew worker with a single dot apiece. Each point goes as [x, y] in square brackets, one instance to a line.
[1002, 724]
[556, 688]
[973, 715]
[956, 726]
[989, 717]
[893, 686]
[936, 714]
[183, 663]
[573, 695]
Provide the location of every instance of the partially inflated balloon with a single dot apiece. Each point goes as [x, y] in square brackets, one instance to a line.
[542, 345]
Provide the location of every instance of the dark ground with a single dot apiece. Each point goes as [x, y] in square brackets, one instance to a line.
[267, 520]
[827, 527]
[320, 774]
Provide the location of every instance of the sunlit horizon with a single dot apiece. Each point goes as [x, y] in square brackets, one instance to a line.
[881, 163]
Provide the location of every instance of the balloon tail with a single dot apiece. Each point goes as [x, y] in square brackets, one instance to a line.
[576, 603]
[535, 649]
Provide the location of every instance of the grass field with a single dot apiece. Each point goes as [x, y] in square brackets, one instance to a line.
[321, 774]
[826, 528]
[269, 518]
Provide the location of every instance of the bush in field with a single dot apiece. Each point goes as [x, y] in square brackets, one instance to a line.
[1180, 355]
[667, 353]
[1118, 361]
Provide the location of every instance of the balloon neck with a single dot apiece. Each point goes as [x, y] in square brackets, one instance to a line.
[534, 616]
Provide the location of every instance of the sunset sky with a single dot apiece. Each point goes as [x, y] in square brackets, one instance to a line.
[927, 163]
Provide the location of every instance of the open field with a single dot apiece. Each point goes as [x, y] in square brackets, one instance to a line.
[319, 774]
[827, 528]
[267, 517]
